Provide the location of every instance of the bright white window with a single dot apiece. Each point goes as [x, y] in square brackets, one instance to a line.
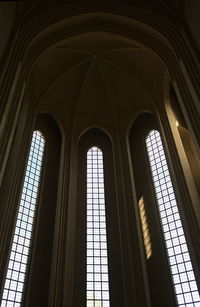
[17, 265]
[179, 259]
[97, 260]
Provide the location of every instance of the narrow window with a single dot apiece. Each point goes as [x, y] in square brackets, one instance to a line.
[97, 261]
[145, 228]
[17, 265]
[179, 259]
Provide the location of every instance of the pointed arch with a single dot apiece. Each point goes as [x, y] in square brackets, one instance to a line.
[158, 279]
[96, 138]
[43, 252]
[150, 162]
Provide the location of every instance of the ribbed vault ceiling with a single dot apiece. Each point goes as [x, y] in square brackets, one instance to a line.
[96, 79]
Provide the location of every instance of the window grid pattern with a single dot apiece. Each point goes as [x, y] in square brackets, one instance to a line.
[17, 265]
[145, 228]
[179, 259]
[97, 261]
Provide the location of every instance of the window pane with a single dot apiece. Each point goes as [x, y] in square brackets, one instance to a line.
[16, 273]
[97, 263]
[179, 259]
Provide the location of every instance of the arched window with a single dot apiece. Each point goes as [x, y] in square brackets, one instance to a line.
[159, 273]
[97, 261]
[17, 265]
[178, 255]
[98, 271]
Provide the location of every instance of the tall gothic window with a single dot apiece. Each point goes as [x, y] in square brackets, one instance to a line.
[99, 278]
[97, 261]
[17, 265]
[177, 250]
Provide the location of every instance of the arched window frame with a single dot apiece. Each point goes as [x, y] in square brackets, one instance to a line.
[164, 294]
[39, 283]
[96, 137]
[39, 279]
